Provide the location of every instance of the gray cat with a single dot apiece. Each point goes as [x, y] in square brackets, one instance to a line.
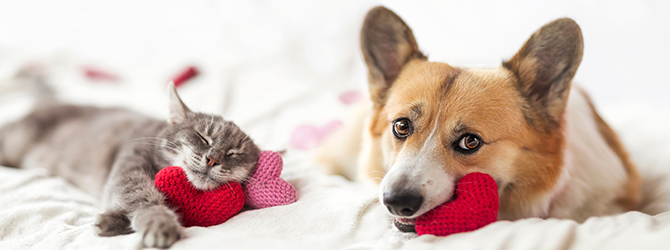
[116, 153]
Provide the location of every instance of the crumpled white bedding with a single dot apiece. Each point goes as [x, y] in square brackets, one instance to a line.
[271, 67]
[42, 212]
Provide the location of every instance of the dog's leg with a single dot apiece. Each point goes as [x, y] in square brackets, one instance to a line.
[371, 162]
[340, 153]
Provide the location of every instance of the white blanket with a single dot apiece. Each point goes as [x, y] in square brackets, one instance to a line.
[274, 66]
[41, 212]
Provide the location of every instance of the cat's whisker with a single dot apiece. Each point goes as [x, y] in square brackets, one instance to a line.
[151, 142]
[157, 145]
[156, 141]
[159, 139]
[249, 178]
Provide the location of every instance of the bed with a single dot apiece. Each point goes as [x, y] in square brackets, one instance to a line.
[289, 82]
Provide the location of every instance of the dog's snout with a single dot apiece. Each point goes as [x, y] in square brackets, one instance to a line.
[403, 203]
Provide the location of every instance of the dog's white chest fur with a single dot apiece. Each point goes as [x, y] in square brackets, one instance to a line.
[593, 174]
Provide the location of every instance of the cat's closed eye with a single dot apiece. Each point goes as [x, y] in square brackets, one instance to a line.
[202, 138]
[234, 152]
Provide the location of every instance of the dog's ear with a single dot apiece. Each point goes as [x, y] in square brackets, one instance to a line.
[387, 44]
[546, 64]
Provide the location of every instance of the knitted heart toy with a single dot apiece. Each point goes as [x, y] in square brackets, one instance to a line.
[264, 188]
[207, 208]
[196, 207]
[474, 206]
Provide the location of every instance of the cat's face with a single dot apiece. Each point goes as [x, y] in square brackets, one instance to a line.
[211, 151]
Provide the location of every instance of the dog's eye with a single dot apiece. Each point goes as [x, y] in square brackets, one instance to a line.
[469, 143]
[402, 128]
[203, 139]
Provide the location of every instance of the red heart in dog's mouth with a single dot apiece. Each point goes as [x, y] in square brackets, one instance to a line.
[196, 207]
[475, 205]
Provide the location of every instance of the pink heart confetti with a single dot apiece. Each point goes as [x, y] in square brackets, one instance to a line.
[307, 137]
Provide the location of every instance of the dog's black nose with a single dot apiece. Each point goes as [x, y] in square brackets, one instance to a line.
[402, 203]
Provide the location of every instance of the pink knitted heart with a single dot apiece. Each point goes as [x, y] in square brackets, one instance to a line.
[264, 188]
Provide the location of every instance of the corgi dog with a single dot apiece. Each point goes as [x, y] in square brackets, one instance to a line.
[524, 123]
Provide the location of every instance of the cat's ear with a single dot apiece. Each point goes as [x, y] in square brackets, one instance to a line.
[178, 109]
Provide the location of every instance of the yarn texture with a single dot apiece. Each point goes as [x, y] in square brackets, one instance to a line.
[264, 188]
[474, 206]
[196, 207]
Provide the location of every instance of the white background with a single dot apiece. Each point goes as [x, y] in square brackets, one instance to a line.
[284, 50]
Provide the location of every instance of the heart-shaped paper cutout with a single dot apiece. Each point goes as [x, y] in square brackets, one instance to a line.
[264, 188]
[196, 207]
[474, 206]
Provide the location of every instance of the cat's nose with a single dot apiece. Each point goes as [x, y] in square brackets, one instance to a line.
[211, 161]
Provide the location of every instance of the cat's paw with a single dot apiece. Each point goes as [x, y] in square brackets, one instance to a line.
[112, 223]
[159, 228]
[161, 234]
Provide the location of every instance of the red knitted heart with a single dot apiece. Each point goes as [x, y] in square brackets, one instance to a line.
[475, 205]
[199, 208]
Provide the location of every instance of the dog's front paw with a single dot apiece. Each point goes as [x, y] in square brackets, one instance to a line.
[112, 223]
[159, 228]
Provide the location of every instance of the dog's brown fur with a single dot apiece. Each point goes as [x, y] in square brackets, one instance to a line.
[631, 196]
